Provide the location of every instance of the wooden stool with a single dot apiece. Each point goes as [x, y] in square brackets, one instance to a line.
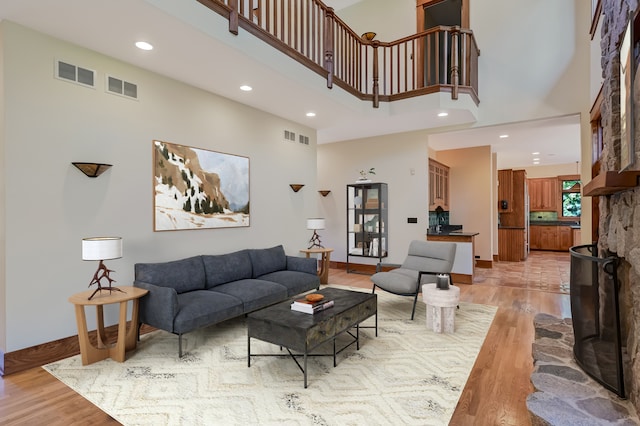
[441, 307]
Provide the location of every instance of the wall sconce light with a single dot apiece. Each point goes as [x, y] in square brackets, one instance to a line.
[315, 224]
[92, 169]
[324, 192]
[296, 186]
[368, 35]
[102, 248]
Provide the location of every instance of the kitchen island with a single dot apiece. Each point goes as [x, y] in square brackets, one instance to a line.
[464, 264]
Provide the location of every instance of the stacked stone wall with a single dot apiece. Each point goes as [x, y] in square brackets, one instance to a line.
[619, 227]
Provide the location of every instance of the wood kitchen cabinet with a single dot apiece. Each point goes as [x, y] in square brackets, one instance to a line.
[511, 244]
[505, 191]
[551, 237]
[544, 194]
[565, 238]
[438, 186]
[543, 237]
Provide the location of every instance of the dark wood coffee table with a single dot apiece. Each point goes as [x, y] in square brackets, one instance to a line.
[302, 333]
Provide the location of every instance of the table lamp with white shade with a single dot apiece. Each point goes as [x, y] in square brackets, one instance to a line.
[102, 248]
[315, 224]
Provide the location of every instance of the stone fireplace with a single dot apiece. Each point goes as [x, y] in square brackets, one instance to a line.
[619, 212]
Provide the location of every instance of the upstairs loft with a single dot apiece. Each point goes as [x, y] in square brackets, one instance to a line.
[440, 60]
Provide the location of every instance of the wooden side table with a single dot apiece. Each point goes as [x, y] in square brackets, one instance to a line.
[323, 273]
[126, 339]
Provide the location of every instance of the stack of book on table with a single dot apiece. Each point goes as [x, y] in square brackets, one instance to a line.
[303, 305]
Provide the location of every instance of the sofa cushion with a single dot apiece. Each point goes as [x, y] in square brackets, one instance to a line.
[255, 294]
[295, 282]
[268, 260]
[224, 268]
[183, 275]
[202, 308]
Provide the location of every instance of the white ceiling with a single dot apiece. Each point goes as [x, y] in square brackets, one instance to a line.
[193, 45]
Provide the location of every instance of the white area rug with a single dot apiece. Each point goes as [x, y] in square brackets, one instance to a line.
[406, 375]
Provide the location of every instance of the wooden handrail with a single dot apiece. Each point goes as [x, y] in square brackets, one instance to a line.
[440, 59]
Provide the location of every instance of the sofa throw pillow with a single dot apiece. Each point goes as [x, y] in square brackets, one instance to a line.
[224, 268]
[182, 275]
[265, 261]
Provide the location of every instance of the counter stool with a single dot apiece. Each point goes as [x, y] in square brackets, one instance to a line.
[441, 307]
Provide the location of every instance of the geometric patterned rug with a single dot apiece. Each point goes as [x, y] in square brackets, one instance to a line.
[407, 375]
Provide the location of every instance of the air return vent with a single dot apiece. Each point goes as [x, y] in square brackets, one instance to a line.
[121, 87]
[75, 74]
[289, 136]
[304, 139]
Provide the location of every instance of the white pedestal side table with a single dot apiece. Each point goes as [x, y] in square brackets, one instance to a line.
[441, 307]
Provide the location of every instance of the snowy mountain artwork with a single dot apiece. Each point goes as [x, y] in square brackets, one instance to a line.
[197, 189]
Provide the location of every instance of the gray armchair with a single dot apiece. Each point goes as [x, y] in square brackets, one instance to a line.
[424, 260]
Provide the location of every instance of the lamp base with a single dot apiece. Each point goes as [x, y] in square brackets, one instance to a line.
[102, 272]
[315, 241]
[105, 288]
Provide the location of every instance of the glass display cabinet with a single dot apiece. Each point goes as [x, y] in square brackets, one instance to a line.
[367, 228]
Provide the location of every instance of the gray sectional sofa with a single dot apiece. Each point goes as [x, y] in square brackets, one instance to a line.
[203, 290]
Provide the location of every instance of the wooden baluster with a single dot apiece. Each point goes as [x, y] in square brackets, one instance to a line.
[455, 71]
[233, 17]
[376, 89]
[328, 45]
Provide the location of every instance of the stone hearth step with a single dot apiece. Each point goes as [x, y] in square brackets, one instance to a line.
[564, 394]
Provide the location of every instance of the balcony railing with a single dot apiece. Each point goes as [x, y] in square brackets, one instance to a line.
[441, 59]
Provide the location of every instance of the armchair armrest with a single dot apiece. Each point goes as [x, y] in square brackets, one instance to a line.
[302, 264]
[159, 307]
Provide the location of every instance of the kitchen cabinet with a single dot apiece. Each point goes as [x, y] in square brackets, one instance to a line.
[552, 237]
[505, 191]
[438, 186]
[544, 194]
[511, 244]
[367, 214]
[565, 238]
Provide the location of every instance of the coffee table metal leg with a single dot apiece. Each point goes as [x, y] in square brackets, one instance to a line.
[334, 353]
[248, 351]
[305, 368]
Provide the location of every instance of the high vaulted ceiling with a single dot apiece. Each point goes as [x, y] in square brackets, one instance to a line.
[193, 45]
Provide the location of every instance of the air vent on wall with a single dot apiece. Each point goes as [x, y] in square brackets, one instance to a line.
[289, 136]
[304, 139]
[75, 74]
[122, 88]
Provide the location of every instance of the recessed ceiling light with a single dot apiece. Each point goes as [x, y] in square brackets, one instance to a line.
[536, 162]
[536, 159]
[443, 114]
[504, 136]
[311, 114]
[144, 45]
[535, 153]
[246, 88]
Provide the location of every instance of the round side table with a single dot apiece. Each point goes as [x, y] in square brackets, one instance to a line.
[126, 338]
[441, 307]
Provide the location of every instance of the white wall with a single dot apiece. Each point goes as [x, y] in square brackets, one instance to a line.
[552, 170]
[394, 158]
[390, 20]
[471, 193]
[50, 205]
[534, 58]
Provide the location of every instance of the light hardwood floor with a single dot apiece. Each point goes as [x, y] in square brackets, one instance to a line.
[495, 393]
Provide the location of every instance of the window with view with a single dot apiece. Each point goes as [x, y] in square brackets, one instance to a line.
[571, 198]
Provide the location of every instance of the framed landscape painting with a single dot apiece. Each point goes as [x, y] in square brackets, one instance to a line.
[198, 189]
